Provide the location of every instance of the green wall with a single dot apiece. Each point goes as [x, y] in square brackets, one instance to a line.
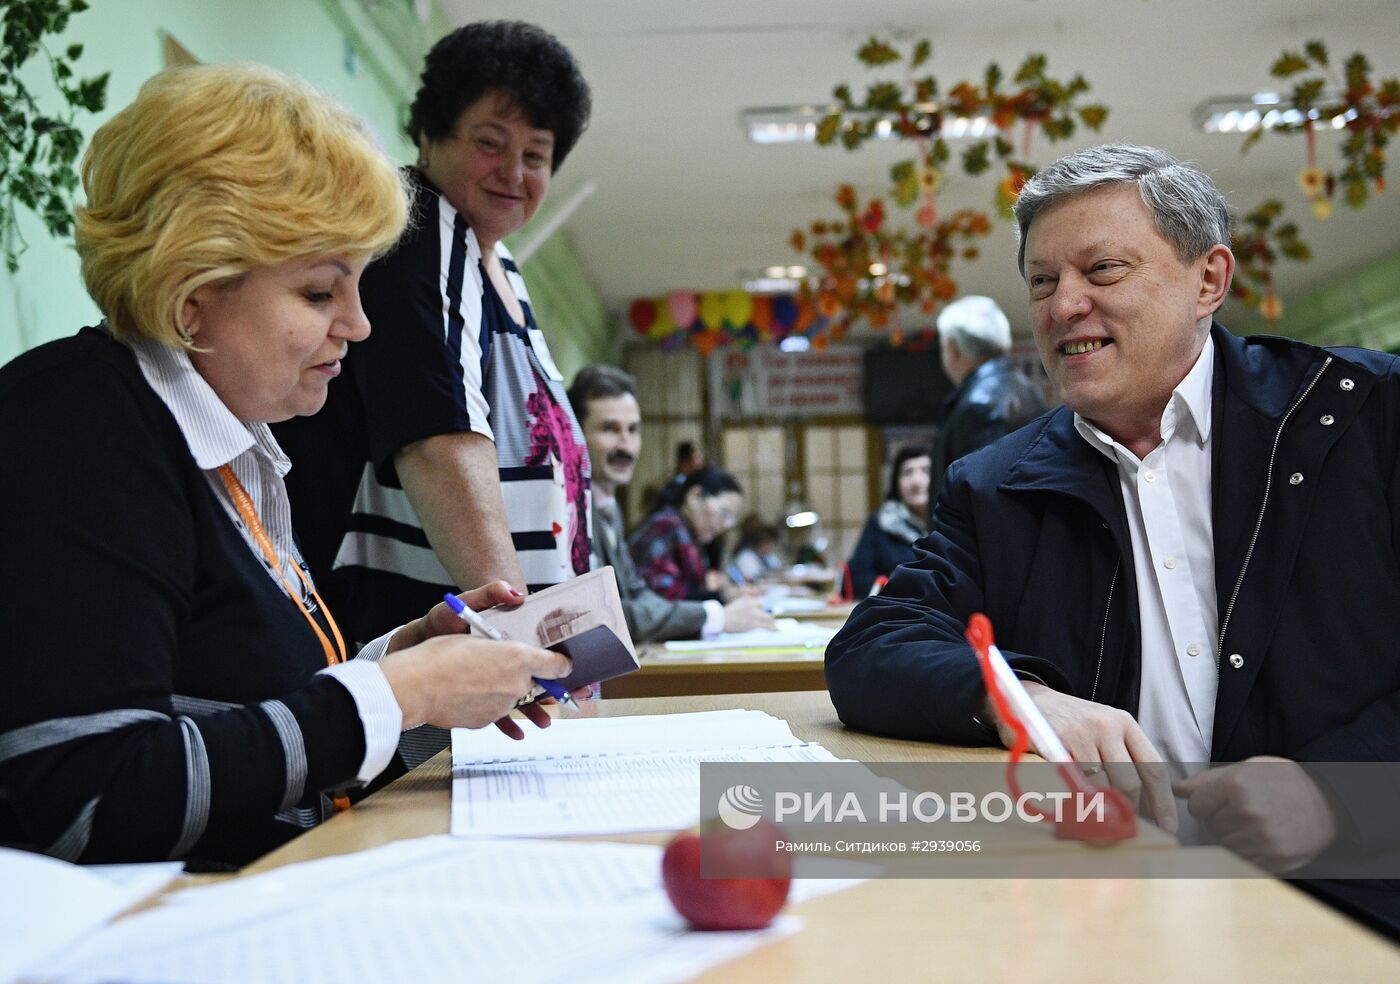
[369, 61]
[1361, 307]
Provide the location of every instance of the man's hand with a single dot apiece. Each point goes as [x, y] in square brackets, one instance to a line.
[1099, 735]
[746, 613]
[1274, 815]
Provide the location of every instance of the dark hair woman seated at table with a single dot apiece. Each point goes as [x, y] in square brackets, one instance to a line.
[888, 537]
[174, 687]
[667, 546]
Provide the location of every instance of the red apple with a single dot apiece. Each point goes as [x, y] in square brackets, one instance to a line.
[728, 903]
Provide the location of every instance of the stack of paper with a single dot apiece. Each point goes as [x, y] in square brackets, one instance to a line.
[787, 633]
[437, 908]
[47, 904]
[607, 775]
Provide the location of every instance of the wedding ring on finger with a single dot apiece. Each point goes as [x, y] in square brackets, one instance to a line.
[1091, 768]
[535, 692]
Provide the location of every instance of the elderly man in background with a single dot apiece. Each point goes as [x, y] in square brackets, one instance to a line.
[1195, 560]
[604, 399]
[992, 397]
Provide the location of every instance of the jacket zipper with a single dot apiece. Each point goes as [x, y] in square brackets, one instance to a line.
[1259, 521]
[1103, 633]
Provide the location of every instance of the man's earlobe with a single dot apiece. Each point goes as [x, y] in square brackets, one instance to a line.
[1216, 275]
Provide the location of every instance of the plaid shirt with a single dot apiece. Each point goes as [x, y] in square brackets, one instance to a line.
[667, 556]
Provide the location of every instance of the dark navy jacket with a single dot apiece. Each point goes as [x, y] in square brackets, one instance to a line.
[1032, 531]
[995, 399]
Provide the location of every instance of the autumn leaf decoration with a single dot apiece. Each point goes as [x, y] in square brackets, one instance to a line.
[869, 263]
[1365, 110]
[1260, 240]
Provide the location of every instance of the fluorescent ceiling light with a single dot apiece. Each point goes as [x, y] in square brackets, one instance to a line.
[798, 124]
[772, 285]
[1267, 110]
[774, 279]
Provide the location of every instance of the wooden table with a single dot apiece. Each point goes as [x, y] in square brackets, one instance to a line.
[727, 671]
[831, 613]
[1043, 930]
[732, 671]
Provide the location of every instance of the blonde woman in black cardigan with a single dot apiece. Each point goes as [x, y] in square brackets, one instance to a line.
[174, 686]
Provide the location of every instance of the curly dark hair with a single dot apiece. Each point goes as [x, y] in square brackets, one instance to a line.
[525, 62]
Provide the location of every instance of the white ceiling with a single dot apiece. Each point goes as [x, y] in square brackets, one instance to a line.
[683, 200]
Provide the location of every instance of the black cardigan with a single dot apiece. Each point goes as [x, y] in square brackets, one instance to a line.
[125, 583]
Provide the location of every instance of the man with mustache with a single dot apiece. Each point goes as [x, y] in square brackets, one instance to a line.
[604, 399]
[1193, 561]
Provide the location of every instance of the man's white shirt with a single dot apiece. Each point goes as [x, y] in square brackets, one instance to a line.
[1167, 497]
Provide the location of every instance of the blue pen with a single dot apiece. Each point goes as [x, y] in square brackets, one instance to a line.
[551, 687]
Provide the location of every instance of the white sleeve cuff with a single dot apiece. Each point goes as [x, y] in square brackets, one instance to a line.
[379, 648]
[380, 714]
[714, 619]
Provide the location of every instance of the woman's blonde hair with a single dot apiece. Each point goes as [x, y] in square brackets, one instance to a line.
[216, 170]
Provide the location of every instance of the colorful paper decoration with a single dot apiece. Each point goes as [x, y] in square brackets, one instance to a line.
[642, 315]
[711, 309]
[738, 308]
[739, 318]
[683, 307]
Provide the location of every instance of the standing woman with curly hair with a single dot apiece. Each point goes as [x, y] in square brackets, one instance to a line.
[471, 466]
[174, 684]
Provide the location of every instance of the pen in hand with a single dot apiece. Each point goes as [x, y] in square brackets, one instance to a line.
[551, 687]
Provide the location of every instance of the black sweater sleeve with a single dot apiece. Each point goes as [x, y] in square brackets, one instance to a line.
[102, 565]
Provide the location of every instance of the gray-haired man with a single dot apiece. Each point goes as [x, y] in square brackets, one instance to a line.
[993, 397]
[1162, 557]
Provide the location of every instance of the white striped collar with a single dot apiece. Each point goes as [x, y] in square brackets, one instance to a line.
[214, 435]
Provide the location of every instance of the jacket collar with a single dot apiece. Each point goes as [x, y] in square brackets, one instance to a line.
[1248, 369]
[985, 371]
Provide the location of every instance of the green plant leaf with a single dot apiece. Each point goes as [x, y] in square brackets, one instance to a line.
[1316, 51]
[1093, 116]
[1357, 69]
[1031, 69]
[876, 52]
[37, 133]
[1305, 94]
[974, 158]
[1288, 63]
[921, 54]
[883, 97]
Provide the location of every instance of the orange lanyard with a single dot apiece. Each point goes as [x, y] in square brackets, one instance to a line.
[244, 503]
